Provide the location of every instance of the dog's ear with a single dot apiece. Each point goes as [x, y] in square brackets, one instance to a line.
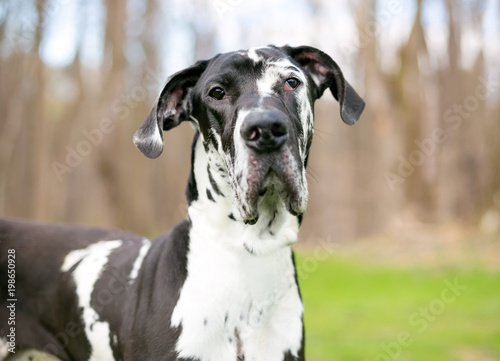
[171, 108]
[327, 74]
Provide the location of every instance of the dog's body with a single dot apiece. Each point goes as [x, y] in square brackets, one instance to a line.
[221, 286]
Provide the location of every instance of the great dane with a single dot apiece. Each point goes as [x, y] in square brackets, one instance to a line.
[221, 285]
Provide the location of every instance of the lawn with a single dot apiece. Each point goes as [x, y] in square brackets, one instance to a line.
[368, 312]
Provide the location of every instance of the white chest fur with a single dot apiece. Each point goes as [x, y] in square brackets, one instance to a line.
[237, 304]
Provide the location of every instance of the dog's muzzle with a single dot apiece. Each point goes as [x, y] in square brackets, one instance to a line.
[274, 169]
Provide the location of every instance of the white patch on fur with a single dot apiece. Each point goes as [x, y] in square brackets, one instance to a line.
[73, 258]
[279, 70]
[146, 245]
[157, 139]
[144, 140]
[317, 80]
[240, 166]
[306, 116]
[194, 123]
[115, 340]
[252, 54]
[276, 72]
[257, 292]
[228, 185]
[92, 261]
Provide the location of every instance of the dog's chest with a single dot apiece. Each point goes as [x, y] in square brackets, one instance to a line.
[236, 305]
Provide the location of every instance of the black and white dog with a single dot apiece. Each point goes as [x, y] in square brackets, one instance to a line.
[220, 286]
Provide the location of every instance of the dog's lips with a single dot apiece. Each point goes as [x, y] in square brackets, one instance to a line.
[290, 188]
[271, 176]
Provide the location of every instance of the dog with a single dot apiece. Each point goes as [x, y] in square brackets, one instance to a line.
[221, 285]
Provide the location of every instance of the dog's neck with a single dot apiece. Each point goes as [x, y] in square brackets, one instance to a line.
[213, 210]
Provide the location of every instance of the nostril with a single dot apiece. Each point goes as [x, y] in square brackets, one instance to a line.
[279, 129]
[255, 134]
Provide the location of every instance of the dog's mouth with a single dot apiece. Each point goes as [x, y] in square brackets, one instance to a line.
[272, 182]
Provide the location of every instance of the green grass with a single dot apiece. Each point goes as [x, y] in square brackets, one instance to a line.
[355, 311]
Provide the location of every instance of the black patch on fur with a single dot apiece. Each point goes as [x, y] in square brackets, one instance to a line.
[191, 188]
[209, 195]
[214, 185]
[300, 354]
[47, 303]
[163, 272]
[272, 220]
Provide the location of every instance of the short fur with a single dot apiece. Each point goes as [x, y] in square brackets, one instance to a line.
[221, 285]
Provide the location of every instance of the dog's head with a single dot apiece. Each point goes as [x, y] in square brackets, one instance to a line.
[254, 113]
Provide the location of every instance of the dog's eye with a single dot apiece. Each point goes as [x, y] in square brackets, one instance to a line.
[291, 84]
[217, 93]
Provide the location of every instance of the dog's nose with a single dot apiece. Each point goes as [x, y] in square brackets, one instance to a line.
[265, 132]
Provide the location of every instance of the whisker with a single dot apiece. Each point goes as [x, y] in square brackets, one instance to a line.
[312, 174]
[323, 131]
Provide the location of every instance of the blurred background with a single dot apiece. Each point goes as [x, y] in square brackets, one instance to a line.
[416, 179]
[79, 77]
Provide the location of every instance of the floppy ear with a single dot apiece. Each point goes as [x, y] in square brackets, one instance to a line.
[327, 74]
[171, 108]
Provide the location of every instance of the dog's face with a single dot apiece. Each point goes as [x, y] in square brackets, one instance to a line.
[255, 109]
[254, 112]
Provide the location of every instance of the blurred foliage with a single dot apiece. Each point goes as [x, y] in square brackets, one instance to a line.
[79, 77]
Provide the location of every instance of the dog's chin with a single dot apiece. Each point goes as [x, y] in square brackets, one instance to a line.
[276, 191]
